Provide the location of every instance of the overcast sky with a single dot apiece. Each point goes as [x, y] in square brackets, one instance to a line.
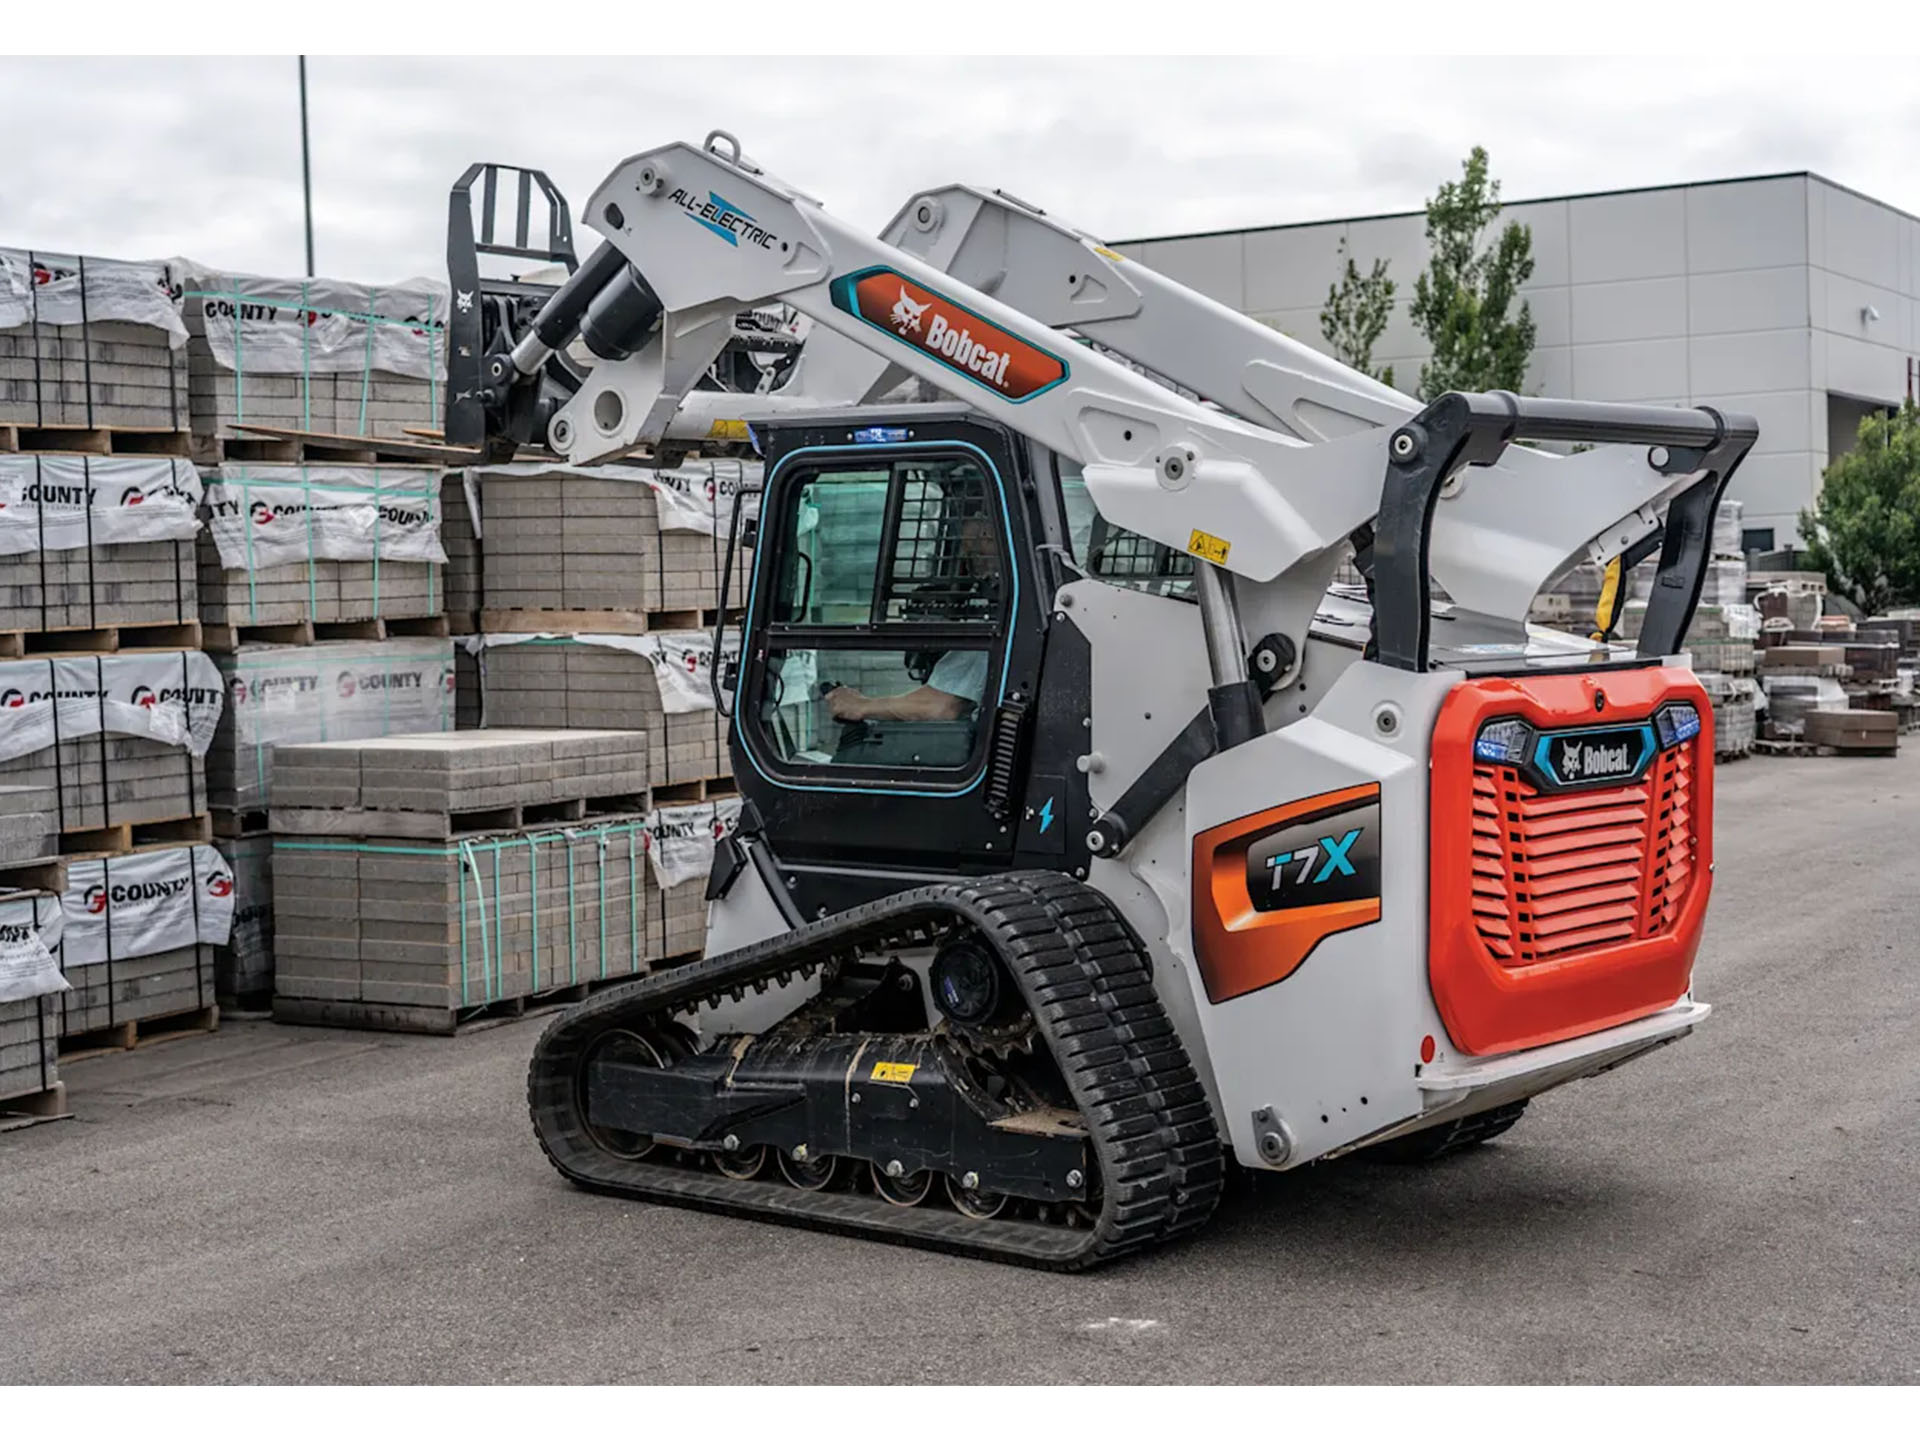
[148, 157]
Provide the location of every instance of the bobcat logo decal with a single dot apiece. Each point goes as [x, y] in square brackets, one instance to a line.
[906, 315]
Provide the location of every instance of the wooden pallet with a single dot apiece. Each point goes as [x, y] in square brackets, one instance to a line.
[435, 1020]
[237, 824]
[225, 639]
[352, 822]
[18, 438]
[277, 445]
[101, 639]
[138, 1034]
[48, 873]
[36, 1108]
[694, 792]
[127, 836]
[1803, 749]
[591, 622]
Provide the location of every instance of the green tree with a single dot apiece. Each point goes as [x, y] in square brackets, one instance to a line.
[1864, 530]
[1463, 301]
[1355, 315]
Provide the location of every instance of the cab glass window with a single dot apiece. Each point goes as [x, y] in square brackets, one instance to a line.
[886, 632]
[1118, 556]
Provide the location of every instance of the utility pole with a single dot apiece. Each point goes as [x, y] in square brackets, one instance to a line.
[306, 164]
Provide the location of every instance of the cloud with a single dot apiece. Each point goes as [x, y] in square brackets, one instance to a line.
[201, 157]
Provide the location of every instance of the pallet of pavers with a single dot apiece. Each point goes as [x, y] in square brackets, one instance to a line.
[325, 356]
[293, 694]
[660, 682]
[418, 879]
[95, 542]
[434, 787]
[460, 543]
[402, 934]
[301, 694]
[30, 987]
[306, 545]
[88, 342]
[137, 944]
[243, 966]
[119, 742]
[606, 548]
[680, 847]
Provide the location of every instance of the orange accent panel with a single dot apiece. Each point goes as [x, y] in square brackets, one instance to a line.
[1553, 914]
[1242, 949]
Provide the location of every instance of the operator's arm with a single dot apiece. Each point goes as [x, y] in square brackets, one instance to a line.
[925, 703]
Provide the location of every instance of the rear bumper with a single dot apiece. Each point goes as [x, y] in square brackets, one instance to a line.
[1465, 1085]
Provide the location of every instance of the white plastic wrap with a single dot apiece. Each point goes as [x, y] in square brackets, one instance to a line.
[264, 325]
[697, 496]
[67, 502]
[681, 839]
[682, 660]
[146, 903]
[30, 926]
[47, 291]
[170, 696]
[266, 515]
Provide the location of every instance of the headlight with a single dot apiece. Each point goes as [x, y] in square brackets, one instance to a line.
[1506, 742]
[1676, 722]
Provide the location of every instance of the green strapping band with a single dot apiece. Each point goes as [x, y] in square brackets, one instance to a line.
[462, 871]
[499, 931]
[573, 943]
[600, 854]
[308, 315]
[533, 890]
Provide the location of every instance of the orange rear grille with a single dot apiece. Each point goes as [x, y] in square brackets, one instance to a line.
[1555, 874]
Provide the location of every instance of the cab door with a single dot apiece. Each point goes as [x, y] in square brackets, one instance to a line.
[894, 623]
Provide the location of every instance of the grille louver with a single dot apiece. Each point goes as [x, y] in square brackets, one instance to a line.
[1557, 874]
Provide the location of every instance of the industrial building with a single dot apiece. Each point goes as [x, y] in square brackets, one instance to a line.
[1786, 296]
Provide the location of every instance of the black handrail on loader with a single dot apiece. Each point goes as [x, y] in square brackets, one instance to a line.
[1475, 428]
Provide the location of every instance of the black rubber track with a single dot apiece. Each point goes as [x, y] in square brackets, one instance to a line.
[1086, 977]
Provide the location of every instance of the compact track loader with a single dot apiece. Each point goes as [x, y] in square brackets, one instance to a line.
[1088, 843]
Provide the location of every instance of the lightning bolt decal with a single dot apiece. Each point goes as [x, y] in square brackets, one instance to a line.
[1046, 815]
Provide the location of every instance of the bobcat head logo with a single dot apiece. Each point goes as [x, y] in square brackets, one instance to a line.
[906, 315]
[1570, 759]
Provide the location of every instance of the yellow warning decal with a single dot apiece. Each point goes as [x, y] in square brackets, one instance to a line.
[1209, 547]
[728, 430]
[1107, 254]
[892, 1070]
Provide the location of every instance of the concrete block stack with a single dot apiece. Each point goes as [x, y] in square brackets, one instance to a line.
[86, 341]
[139, 934]
[326, 356]
[291, 545]
[118, 741]
[293, 694]
[624, 539]
[89, 542]
[596, 591]
[30, 987]
[30, 978]
[660, 683]
[680, 847]
[418, 878]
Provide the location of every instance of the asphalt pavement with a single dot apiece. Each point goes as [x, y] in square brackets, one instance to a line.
[270, 1204]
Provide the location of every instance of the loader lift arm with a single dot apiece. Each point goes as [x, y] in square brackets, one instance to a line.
[1495, 543]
